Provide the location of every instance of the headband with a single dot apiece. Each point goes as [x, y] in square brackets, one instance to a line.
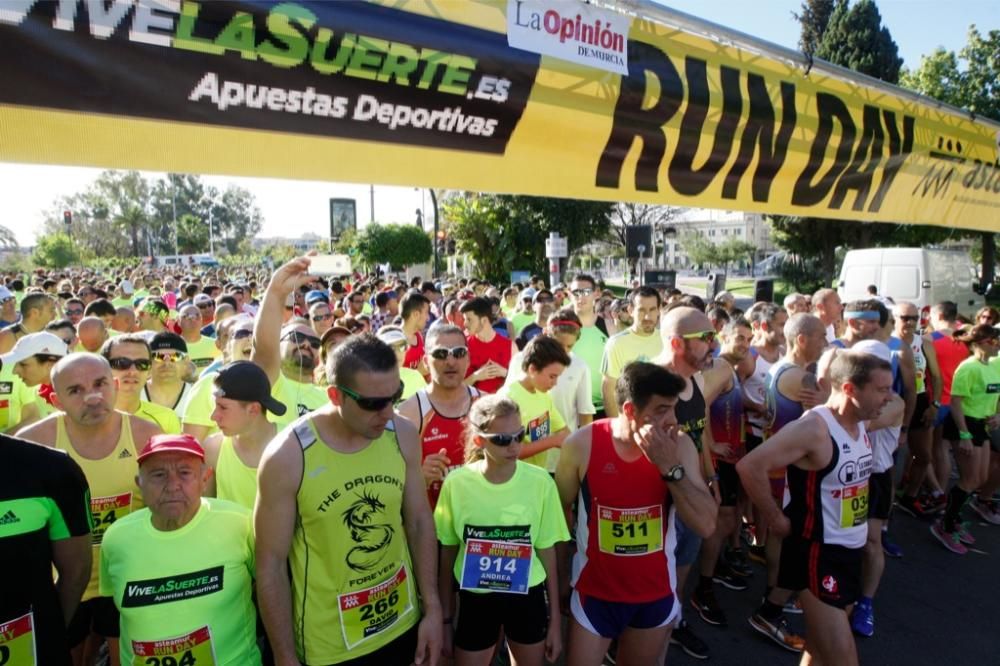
[861, 314]
[564, 322]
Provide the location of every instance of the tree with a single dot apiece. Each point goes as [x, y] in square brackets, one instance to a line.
[122, 197]
[852, 37]
[701, 251]
[503, 233]
[398, 245]
[627, 214]
[969, 80]
[7, 238]
[55, 251]
[736, 251]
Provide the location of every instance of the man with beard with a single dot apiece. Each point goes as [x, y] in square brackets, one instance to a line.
[639, 342]
[829, 460]
[688, 340]
[440, 410]
[288, 354]
[102, 441]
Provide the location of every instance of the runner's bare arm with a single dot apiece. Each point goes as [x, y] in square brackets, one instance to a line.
[212, 444]
[552, 441]
[446, 591]
[41, 432]
[72, 560]
[933, 373]
[553, 637]
[608, 392]
[199, 432]
[278, 478]
[267, 325]
[666, 447]
[804, 442]
[569, 473]
[908, 373]
[892, 415]
[422, 539]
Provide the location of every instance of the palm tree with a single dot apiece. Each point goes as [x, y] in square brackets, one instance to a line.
[7, 238]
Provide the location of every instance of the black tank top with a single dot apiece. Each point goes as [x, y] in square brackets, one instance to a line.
[691, 414]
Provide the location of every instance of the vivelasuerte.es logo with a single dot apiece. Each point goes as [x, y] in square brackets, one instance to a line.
[173, 588]
[9, 518]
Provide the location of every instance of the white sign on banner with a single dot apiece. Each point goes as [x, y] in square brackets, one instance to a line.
[571, 31]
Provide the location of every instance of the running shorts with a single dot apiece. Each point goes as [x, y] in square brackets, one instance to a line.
[609, 619]
[729, 482]
[524, 618]
[977, 427]
[831, 573]
[98, 615]
[880, 495]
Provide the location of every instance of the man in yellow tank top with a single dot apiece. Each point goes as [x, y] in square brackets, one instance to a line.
[102, 441]
[130, 361]
[242, 400]
[341, 503]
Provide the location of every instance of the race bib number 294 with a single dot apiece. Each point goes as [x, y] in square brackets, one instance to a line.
[194, 649]
[17, 642]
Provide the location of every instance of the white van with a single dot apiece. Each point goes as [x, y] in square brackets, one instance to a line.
[922, 277]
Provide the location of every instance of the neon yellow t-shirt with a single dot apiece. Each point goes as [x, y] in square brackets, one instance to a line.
[625, 347]
[298, 399]
[539, 417]
[590, 348]
[200, 404]
[412, 380]
[203, 352]
[14, 395]
[978, 385]
[470, 507]
[520, 320]
[165, 418]
[187, 591]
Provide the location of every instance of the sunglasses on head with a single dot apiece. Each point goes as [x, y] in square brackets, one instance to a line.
[141, 364]
[705, 336]
[372, 404]
[503, 438]
[298, 338]
[441, 353]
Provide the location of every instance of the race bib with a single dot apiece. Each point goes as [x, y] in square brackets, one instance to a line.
[17, 642]
[365, 613]
[194, 649]
[854, 506]
[106, 510]
[538, 428]
[635, 531]
[497, 566]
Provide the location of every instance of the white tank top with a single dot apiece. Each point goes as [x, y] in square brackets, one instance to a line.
[884, 442]
[920, 361]
[755, 388]
[830, 505]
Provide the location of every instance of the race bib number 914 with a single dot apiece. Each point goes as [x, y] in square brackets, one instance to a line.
[497, 566]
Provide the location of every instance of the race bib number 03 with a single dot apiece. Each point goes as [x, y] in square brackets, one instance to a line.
[637, 531]
[194, 649]
[106, 510]
[497, 566]
[17, 642]
[854, 506]
[365, 613]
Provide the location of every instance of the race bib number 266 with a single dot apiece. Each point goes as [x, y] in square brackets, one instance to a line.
[365, 613]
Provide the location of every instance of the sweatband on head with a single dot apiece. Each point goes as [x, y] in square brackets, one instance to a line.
[861, 314]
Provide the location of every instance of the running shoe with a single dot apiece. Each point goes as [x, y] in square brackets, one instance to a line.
[964, 535]
[863, 619]
[757, 554]
[912, 506]
[793, 606]
[986, 510]
[778, 631]
[890, 548]
[949, 540]
[724, 575]
[738, 562]
[936, 503]
[704, 601]
[685, 639]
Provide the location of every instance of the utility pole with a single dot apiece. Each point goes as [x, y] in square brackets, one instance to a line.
[173, 202]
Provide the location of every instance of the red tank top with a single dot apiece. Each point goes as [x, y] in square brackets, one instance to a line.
[950, 353]
[624, 532]
[441, 432]
[480, 353]
[414, 353]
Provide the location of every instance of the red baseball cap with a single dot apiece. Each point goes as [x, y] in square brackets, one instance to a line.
[164, 443]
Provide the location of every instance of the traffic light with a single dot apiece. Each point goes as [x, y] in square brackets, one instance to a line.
[451, 246]
[67, 217]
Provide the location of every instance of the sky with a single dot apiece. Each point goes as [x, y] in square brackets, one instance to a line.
[292, 208]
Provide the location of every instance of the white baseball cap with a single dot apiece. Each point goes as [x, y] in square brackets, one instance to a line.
[33, 344]
[875, 348]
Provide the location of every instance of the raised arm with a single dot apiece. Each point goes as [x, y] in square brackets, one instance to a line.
[267, 325]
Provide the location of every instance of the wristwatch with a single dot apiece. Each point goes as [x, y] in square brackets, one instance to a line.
[675, 473]
[936, 404]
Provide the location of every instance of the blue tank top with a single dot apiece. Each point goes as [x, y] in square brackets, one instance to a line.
[781, 410]
[726, 416]
[896, 348]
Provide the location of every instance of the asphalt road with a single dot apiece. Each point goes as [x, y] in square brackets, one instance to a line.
[933, 607]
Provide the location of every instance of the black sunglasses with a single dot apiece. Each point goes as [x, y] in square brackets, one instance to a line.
[141, 364]
[909, 317]
[206, 306]
[441, 353]
[372, 404]
[503, 438]
[298, 338]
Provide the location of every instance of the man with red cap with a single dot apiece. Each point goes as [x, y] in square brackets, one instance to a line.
[181, 570]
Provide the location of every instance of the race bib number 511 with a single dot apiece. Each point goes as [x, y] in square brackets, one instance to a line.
[194, 649]
[17, 642]
[636, 531]
[367, 612]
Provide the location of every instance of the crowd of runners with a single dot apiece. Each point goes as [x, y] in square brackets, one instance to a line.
[241, 468]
